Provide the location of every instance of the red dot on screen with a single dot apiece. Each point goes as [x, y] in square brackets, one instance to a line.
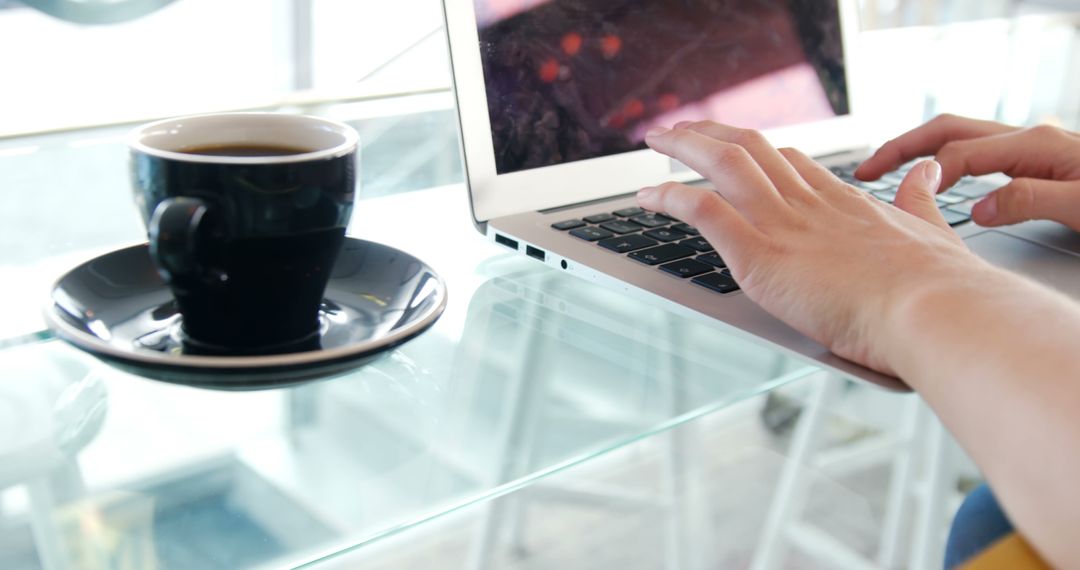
[610, 46]
[668, 102]
[616, 121]
[571, 43]
[549, 70]
[633, 109]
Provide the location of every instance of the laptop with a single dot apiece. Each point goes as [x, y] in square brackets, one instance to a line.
[554, 98]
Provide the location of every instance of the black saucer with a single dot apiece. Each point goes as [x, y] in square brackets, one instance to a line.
[118, 309]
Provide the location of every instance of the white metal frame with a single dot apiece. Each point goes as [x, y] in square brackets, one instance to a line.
[924, 465]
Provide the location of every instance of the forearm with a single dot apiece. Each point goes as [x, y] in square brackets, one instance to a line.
[998, 358]
[893, 287]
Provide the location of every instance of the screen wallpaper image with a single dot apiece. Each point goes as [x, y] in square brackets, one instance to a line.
[577, 79]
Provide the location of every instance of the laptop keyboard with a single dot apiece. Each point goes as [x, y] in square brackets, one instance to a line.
[654, 239]
[677, 248]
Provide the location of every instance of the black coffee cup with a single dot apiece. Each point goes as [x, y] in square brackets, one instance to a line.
[246, 214]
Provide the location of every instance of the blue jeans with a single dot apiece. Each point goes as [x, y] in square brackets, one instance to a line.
[979, 523]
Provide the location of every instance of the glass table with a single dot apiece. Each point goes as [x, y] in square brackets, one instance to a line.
[528, 371]
[528, 384]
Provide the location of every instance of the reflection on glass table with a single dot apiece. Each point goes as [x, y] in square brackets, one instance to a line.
[862, 478]
[528, 372]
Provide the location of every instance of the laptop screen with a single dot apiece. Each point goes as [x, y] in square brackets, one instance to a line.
[569, 80]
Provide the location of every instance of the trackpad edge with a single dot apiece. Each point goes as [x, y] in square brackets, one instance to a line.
[1044, 264]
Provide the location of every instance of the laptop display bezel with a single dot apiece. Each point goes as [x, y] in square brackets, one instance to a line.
[493, 195]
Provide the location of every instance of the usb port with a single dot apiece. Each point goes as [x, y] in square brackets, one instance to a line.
[535, 252]
[512, 244]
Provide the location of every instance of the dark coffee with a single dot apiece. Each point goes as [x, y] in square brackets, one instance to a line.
[244, 150]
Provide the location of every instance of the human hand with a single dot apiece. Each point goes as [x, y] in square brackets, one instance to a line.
[828, 259]
[1044, 162]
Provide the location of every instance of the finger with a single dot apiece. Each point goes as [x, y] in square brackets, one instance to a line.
[1030, 199]
[817, 176]
[780, 172]
[1035, 152]
[916, 193]
[925, 140]
[717, 220]
[729, 167]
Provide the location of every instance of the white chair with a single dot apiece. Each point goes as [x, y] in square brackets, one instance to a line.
[48, 412]
[924, 464]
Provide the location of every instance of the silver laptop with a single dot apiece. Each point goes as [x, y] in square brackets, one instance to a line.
[554, 98]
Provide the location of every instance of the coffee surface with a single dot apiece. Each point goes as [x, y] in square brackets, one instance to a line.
[245, 150]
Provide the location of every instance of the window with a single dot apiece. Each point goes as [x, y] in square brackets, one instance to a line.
[203, 55]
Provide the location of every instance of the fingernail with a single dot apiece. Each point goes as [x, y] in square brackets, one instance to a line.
[987, 207]
[656, 131]
[683, 124]
[932, 175]
[646, 192]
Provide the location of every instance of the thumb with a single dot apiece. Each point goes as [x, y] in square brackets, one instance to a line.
[916, 193]
[1030, 199]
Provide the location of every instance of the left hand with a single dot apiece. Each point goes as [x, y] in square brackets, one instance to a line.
[1043, 161]
[830, 260]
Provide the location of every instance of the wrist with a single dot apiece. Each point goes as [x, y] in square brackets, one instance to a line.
[918, 317]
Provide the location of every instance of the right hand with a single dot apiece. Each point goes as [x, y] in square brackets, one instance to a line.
[836, 264]
[1043, 161]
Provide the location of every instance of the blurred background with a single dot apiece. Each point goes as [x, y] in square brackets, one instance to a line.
[201, 55]
[69, 92]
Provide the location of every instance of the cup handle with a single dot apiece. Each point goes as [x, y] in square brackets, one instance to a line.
[177, 229]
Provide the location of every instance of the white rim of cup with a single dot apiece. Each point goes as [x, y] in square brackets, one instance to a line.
[350, 139]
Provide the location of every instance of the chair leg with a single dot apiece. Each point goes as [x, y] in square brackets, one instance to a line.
[928, 550]
[672, 372]
[48, 538]
[506, 514]
[791, 491]
[894, 532]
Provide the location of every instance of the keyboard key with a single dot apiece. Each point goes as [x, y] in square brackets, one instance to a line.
[954, 218]
[948, 199]
[590, 233]
[568, 224]
[843, 173]
[686, 268]
[662, 254]
[713, 259]
[964, 208]
[665, 234]
[598, 218]
[974, 189]
[698, 244]
[629, 212]
[621, 227]
[885, 195]
[686, 229]
[894, 178]
[651, 220]
[872, 186]
[626, 244]
[719, 282]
